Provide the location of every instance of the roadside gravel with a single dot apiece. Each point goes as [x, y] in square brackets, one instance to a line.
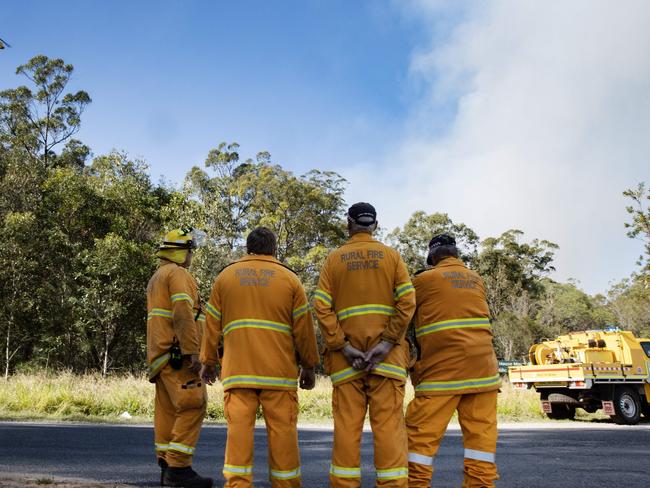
[21, 480]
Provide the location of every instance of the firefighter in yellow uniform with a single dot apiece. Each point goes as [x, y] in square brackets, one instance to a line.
[259, 307]
[456, 369]
[364, 303]
[173, 339]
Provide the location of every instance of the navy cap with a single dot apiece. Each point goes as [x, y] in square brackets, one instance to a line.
[362, 214]
[442, 240]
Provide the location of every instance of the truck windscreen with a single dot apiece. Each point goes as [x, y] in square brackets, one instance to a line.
[646, 348]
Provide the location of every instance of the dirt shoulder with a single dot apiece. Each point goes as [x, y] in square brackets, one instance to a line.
[22, 480]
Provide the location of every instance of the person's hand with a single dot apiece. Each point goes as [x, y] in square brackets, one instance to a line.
[354, 356]
[307, 378]
[209, 374]
[377, 354]
[195, 364]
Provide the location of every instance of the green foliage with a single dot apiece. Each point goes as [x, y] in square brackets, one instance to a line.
[79, 237]
[513, 271]
[412, 241]
[639, 228]
[38, 120]
[304, 211]
[629, 303]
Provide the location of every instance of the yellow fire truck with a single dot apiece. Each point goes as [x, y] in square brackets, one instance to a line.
[608, 369]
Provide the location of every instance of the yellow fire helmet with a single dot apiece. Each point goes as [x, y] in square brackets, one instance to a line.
[178, 242]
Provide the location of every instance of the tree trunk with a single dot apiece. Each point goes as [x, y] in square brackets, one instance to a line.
[7, 357]
[105, 362]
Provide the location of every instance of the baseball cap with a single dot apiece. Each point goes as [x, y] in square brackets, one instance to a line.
[362, 213]
[442, 240]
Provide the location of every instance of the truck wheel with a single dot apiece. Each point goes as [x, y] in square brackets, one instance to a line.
[562, 411]
[627, 406]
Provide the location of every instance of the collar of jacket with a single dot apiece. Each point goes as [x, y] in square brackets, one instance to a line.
[259, 257]
[360, 237]
[450, 261]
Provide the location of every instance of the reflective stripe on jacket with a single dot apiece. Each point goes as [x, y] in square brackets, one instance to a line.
[364, 295]
[260, 310]
[452, 329]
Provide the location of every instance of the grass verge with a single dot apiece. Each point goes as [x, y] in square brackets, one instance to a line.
[67, 396]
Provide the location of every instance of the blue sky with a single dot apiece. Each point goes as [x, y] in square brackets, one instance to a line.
[170, 80]
[504, 114]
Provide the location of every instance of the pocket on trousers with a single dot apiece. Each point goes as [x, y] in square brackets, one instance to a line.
[191, 394]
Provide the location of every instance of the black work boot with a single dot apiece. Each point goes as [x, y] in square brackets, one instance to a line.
[185, 477]
[163, 466]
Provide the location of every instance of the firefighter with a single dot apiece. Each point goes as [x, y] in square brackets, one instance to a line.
[364, 303]
[456, 368]
[259, 307]
[173, 339]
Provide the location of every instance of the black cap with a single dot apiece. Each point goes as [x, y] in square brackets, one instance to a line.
[362, 214]
[442, 240]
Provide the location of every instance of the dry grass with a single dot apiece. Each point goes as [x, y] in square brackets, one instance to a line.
[67, 396]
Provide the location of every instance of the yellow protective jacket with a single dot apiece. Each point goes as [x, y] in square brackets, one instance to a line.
[173, 312]
[260, 308]
[364, 295]
[453, 333]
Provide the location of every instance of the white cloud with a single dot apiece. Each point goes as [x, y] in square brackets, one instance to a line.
[552, 124]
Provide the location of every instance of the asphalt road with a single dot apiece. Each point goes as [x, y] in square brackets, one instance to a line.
[556, 454]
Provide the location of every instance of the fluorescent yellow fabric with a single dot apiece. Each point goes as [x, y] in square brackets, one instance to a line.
[180, 405]
[364, 296]
[280, 409]
[172, 305]
[452, 330]
[426, 422]
[177, 256]
[260, 310]
[384, 398]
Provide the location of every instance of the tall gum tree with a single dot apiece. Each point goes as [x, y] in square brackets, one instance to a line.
[33, 122]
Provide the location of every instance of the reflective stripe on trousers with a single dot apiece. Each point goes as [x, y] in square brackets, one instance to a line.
[285, 475]
[393, 473]
[177, 446]
[343, 472]
[488, 457]
[414, 457]
[241, 470]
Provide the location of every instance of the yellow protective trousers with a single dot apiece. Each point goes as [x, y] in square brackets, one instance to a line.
[280, 410]
[426, 422]
[350, 401]
[181, 401]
